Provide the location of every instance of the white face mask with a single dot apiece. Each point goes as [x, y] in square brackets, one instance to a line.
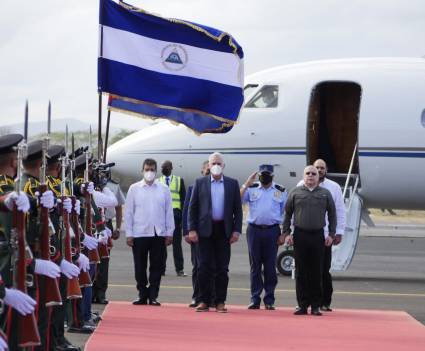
[149, 176]
[216, 170]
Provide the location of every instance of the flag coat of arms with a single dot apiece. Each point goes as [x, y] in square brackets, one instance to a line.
[168, 68]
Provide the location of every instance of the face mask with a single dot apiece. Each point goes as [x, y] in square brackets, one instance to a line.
[266, 179]
[149, 176]
[216, 170]
[166, 172]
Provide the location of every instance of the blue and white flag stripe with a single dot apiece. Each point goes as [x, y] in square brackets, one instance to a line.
[143, 52]
[168, 65]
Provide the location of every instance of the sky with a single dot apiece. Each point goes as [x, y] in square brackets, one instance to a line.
[48, 48]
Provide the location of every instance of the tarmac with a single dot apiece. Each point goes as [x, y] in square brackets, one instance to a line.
[387, 273]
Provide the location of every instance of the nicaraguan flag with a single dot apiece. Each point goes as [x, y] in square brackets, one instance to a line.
[168, 68]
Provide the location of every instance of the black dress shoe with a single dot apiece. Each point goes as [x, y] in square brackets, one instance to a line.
[193, 304]
[85, 329]
[270, 307]
[140, 301]
[102, 301]
[253, 306]
[299, 311]
[315, 311]
[66, 347]
[326, 308]
[154, 302]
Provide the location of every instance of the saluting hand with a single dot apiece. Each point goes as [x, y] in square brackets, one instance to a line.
[251, 179]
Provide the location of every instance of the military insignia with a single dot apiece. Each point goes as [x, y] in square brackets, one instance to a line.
[255, 195]
[174, 57]
[277, 194]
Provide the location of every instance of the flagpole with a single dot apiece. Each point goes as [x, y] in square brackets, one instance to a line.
[99, 124]
[108, 120]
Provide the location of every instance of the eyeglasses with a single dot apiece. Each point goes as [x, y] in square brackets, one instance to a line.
[310, 173]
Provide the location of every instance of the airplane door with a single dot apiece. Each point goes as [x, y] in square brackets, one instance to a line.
[342, 254]
[333, 123]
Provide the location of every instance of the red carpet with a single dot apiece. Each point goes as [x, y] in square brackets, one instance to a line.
[176, 327]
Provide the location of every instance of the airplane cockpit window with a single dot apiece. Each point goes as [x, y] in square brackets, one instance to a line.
[423, 118]
[249, 90]
[267, 97]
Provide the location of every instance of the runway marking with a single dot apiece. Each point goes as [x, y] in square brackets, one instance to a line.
[359, 293]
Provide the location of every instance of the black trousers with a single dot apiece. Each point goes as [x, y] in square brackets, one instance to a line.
[214, 259]
[152, 248]
[58, 314]
[100, 284]
[327, 277]
[309, 249]
[177, 243]
[195, 268]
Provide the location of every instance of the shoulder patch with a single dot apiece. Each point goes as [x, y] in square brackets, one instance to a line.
[255, 185]
[279, 187]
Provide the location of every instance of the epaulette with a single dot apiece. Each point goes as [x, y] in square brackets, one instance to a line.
[279, 187]
[255, 185]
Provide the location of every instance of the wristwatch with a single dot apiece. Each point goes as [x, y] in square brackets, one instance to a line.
[243, 186]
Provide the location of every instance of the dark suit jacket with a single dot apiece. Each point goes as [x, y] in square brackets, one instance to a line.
[186, 210]
[200, 207]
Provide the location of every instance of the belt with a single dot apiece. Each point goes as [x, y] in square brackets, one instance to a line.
[263, 226]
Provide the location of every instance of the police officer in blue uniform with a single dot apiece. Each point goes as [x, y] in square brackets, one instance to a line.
[266, 201]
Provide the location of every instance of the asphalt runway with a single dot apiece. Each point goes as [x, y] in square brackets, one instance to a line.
[387, 273]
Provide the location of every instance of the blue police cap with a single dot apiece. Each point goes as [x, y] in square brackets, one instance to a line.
[266, 168]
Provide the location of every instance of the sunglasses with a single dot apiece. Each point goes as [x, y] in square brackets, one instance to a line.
[310, 173]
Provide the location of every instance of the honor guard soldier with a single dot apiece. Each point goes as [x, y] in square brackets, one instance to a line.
[266, 201]
[47, 252]
[60, 343]
[12, 298]
[178, 194]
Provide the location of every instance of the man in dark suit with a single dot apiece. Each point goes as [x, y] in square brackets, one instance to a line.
[215, 222]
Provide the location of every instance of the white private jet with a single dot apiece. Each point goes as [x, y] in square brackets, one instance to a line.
[365, 117]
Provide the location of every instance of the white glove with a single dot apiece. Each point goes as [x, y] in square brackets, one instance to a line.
[69, 269]
[83, 262]
[107, 232]
[3, 345]
[77, 207]
[47, 268]
[20, 301]
[105, 198]
[67, 204]
[47, 200]
[89, 242]
[88, 187]
[102, 238]
[21, 200]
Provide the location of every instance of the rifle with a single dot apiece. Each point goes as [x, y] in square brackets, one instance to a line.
[27, 325]
[73, 290]
[93, 255]
[84, 277]
[52, 294]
